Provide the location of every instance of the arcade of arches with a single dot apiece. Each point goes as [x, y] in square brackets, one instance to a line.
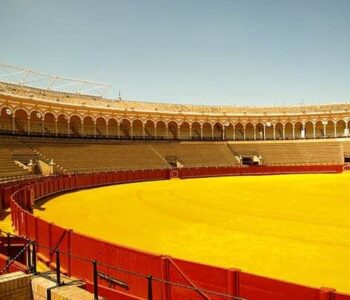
[47, 124]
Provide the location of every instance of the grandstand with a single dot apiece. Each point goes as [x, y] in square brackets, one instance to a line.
[54, 141]
[87, 155]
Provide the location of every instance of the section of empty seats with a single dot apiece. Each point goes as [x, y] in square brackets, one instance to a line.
[12, 150]
[90, 156]
[196, 154]
[296, 152]
[79, 155]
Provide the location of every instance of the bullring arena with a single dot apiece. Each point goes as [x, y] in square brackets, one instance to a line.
[141, 200]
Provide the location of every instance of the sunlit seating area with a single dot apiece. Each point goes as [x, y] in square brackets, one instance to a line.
[291, 153]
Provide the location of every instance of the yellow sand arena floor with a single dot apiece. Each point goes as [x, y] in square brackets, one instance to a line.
[292, 227]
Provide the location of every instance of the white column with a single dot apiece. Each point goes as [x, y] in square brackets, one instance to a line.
[68, 129]
[274, 131]
[190, 131]
[223, 132]
[201, 131]
[324, 130]
[254, 132]
[335, 130]
[118, 129]
[283, 131]
[143, 130]
[293, 131]
[56, 133]
[314, 127]
[212, 132]
[264, 132]
[234, 132]
[346, 130]
[28, 125]
[13, 123]
[95, 133]
[303, 131]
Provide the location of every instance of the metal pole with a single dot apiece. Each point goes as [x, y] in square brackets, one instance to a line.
[58, 268]
[9, 245]
[150, 291]
[29, 261]
[8, 262]
[94, 264]
[34, 258]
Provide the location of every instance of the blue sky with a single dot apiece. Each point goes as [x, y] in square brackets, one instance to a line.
[188, 51]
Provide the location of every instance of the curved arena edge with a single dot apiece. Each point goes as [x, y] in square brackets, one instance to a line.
[172, 278]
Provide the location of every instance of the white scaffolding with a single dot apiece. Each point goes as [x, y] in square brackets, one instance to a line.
[27, 77]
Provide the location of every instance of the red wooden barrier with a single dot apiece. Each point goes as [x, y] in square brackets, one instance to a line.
[195, 281]
[258, 287]
[14, 267]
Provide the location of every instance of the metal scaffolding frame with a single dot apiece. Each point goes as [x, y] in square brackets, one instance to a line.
[28, 77]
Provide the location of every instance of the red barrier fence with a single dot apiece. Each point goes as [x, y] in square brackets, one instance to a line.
[172, 278]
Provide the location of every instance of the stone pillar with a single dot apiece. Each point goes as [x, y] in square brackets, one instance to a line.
[30, 166]
[51, 164]
[264, 130]
[82, 127]
[28, 125]
[314, 127]
[346, 130]
[42, 126]
[303, 131]
[13, 123]
[56, 133]
[324, 129]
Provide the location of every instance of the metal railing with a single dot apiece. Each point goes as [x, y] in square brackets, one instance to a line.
[31, 246]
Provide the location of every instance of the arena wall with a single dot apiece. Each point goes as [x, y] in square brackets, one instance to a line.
[171, 278]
